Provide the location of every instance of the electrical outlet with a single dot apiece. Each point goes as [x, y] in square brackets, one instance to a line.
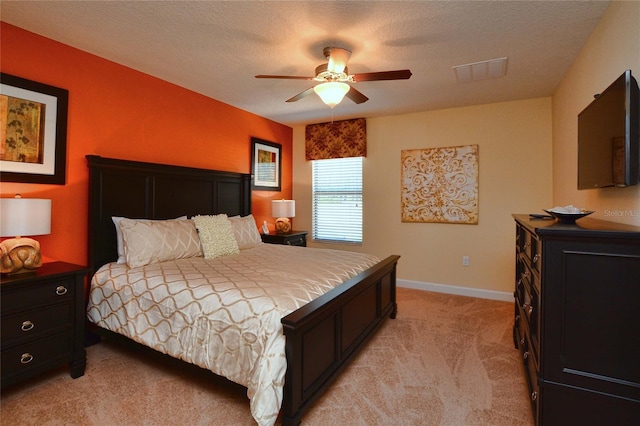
[465, 260]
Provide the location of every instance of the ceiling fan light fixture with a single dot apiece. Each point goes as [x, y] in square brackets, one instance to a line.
[331, 92]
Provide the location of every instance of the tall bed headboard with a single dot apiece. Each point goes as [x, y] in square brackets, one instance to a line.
[155, 191]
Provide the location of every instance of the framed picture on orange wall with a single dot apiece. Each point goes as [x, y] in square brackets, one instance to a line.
[266, 165]
[33, 131]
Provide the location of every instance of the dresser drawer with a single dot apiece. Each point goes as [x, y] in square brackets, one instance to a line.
[529, 308]
[530, 364]
[529, 245]
[528, 354]
[25, 358]
[525, 269]
[34, 323]
[524, 285]
[536, 255]
[522, 332]
[33, 294]
[520, 238]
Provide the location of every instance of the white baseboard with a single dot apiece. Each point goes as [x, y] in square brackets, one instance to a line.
[461, 291]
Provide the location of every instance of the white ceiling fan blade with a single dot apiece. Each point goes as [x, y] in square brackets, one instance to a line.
[338, 59]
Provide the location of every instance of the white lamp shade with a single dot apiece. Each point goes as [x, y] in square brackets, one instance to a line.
[21, 217]
[283, 208]
[332, 92]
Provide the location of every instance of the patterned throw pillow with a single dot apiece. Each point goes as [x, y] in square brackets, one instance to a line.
[152, 241]
[216, 235]
[245, 231]
[116, 221]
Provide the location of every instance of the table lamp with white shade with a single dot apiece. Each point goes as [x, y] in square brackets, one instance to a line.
[283, 210]
[21, 217]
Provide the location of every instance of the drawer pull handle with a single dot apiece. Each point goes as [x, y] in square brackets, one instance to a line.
[525, 355]
[522, 341]
[27, 326]
[61, 290]
[534, 395]
[535, 258]
[530, 309]
[26, 358]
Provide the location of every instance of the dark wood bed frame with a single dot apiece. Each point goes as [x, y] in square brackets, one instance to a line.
[321, 337]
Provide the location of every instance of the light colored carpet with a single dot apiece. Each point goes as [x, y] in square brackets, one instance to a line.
[445, 360]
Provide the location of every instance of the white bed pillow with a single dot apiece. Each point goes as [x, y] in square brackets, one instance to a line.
[152, 241]
[245, 231]
[116, 221]
[216, 235]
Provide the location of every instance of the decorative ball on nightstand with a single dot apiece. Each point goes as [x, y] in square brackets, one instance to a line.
[283, 225]
[20, 255]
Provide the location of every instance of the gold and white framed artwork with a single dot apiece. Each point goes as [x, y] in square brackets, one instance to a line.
[440, 185]
[266, 165]
[33, 131]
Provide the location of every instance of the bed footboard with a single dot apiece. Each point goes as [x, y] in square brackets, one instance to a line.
[324, 335]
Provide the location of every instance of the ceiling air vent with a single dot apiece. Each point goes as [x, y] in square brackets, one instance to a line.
[484, 70]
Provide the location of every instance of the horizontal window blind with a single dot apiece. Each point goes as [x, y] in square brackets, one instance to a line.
[337, 200]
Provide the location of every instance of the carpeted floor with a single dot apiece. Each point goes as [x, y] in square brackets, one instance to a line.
[445, 360]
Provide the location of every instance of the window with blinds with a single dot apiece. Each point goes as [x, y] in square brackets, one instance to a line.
[337, 200]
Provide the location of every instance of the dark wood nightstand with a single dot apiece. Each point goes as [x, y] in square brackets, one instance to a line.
[293, 238]
[43, 319]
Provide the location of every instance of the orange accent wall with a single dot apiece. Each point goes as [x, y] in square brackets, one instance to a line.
[115, 111]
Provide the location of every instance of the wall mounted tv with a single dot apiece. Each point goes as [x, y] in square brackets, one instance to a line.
[609, 137]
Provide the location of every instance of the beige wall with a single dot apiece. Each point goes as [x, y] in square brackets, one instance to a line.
[612, 48]
[518, 146]
[515, 148]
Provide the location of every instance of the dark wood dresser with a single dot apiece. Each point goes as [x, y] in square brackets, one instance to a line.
[43, 321]
[577, 320]
[293, 238]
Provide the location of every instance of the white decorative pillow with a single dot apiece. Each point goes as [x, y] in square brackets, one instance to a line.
[216, 235]
[152, 241]
[245, 231]
[116, 221]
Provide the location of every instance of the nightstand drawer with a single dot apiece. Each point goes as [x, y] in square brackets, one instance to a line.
[299, 240]
[42, 323]
[293, 238]
[29, 295]
[31, 324]
[29, 356]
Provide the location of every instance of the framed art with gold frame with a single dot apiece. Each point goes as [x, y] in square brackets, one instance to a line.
[266, 165]
[33, 131]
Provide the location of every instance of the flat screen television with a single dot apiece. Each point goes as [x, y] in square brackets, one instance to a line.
[609, 137]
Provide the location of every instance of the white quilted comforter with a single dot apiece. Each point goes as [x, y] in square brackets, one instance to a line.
[222, 314]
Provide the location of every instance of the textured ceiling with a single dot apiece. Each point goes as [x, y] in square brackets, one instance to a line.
[217, 47]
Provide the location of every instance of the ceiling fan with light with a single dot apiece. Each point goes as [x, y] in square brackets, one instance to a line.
[334, 76]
